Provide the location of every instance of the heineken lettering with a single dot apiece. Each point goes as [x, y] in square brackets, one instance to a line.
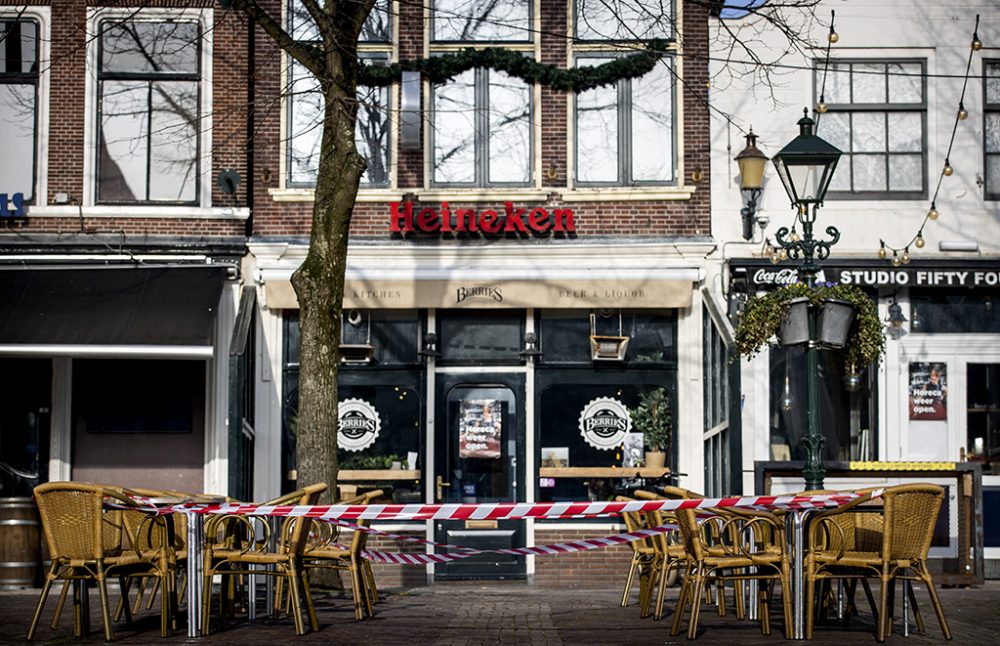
[404, 220]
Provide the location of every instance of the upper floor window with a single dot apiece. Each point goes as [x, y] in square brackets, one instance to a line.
[625, 132]
[991, 108]
[472, 20]
[877, 117]
[149, 102]
[305, 103]
[624, 20]
[377, 27]
[481, 130]
[305, 126]
[18, 105]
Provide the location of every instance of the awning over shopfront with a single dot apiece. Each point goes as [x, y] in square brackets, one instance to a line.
[501, 288]
[109, 310]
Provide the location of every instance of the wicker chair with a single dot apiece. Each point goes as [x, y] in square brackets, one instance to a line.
[325, 555]
[86, 544]
[742, 542]
[643, 558]
[668, 556]
[846, 543]
[230, 549]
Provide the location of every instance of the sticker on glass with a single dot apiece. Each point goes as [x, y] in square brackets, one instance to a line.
[359, 425]
[604, 423]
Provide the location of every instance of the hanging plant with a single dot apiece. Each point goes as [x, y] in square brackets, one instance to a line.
[763, 313]
[438, 69]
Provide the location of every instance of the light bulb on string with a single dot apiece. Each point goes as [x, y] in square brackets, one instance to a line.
[963, 114]
[881, 252]
[833, 37]
[775, 259]
[783, 254]
[794, 237]
[905, 258]
[976, 43]
[948, 170]
[933, 213]
[919, 242]
[822, 107]
[895, 259]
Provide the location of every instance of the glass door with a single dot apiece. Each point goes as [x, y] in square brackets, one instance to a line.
[479, 447]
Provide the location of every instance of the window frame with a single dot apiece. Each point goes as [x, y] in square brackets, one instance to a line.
[105, 23]
[575, 10]
[41, 17]
[624, 109]
[888, 108]
[990, 193]
[529, 30]
[381, 50]
[481, 135]
[203, 205]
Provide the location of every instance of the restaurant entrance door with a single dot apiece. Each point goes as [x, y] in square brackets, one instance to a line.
[479, 445]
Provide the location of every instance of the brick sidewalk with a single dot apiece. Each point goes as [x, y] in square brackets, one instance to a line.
[480, 613]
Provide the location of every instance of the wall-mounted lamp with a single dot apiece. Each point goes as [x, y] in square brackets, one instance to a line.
[896, 322]
[531, 350]
[265, 176]
[751, 162]
[430, 350]
[607, 347]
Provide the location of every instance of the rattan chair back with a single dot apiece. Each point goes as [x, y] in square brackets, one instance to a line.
[73, 520]
[911, 512]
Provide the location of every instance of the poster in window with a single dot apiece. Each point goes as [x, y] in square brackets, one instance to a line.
[479, 429]
[928, 391]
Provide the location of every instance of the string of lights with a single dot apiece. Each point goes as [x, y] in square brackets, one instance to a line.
[901, 255]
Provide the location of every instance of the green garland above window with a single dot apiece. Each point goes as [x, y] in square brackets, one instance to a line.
[439, 69]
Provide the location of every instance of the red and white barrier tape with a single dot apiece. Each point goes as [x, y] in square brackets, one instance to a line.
[513, 511]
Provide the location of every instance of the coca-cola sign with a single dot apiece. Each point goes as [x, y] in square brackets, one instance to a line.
[880, 276]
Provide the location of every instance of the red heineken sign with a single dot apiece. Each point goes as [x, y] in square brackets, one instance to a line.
[405, 219]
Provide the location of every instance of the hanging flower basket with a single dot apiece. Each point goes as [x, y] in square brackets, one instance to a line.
[847, 321]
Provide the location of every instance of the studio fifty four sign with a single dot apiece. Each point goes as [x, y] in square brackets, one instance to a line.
[537, 220]
[866, 277]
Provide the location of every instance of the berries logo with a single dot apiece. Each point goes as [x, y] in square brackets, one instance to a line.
[359, 425]
[604, 423]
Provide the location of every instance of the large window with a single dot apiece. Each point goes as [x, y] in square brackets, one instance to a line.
[624, 20]
[305, 103]
[991, 109]
[469, 20]
[18, 105]
[625, 132]
[149, 87]
[877, 118]
[482, 130]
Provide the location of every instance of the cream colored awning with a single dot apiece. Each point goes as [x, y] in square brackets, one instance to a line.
[504, 288]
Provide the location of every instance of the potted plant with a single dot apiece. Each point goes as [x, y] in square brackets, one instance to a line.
[652, 417]
[764, 314]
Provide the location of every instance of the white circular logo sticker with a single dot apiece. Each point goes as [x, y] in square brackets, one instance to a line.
[359, 425]
[604, 423]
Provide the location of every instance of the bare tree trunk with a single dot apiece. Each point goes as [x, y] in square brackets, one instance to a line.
[319, 282]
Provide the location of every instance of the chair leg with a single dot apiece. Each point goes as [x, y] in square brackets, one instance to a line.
[914, 608]
[764, 606]
[810, 602]
[871, 598]
[102, 589]
[370, 580]
[682, 600]
[720, 597]
[883, 607]
[647, 578]
[935, 601]
[60, 603]
[294, 592]
[661, 595]
[628, 581]
[49, 579]
[739, 600]
[307, 593]
[206, 600]
[786, 598]
[699, 586]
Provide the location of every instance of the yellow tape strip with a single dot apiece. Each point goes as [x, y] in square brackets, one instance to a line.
[903, 466]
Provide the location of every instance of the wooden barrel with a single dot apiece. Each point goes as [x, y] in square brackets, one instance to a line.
[19, 543]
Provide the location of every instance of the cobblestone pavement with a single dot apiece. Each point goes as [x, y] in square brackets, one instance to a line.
[481, 613]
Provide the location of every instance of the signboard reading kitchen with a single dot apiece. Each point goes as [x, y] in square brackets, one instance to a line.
[524, 221]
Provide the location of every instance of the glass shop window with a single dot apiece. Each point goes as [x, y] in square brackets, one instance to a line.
[391, 336]
[582, 425]
[480, 336]
[137, 395]
[960, 312]
[565, 335]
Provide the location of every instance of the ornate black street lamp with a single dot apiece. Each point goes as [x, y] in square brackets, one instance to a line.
[805, 167]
